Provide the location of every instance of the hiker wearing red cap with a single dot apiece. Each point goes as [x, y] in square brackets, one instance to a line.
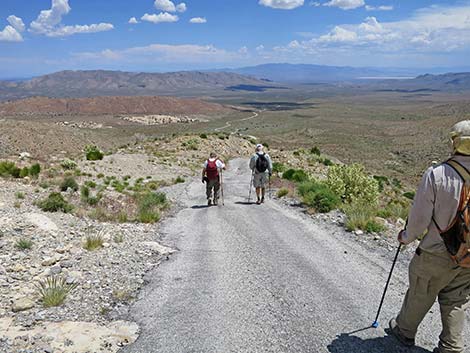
[262, 169]
[211, 176]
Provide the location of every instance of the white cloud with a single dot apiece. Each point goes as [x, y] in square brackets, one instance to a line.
[10, 34]
[315, 4]
[339, 35]
[133, 21]
[345, 4]
[164, 53]
[181, 7]
[49, 22]
[380, 8]
[160, 18]
[64, 31]
[165, 5]
[243, 50]
[17, 23]
[282, 4]
[198, 20]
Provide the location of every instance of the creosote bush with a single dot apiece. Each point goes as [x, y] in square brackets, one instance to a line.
[35, 170]
[93, 153]
[53, 291]
[297, 175]
[69, 183]
[55, 202]
[319, 196]
[9, 169]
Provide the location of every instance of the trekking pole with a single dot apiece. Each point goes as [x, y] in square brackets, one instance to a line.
[251, 185]
[375, 324]
[222, 186]
[270, 191]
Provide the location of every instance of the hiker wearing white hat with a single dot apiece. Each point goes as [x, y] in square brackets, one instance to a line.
[440, 269]
[262, 168]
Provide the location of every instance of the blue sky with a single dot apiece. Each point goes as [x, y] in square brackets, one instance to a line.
[41, 36]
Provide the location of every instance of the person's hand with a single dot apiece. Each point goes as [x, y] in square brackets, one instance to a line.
[400, 237]
[203, 181]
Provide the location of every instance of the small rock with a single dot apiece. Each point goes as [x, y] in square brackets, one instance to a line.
[106, 245]
[358, 232]
[49, 261]
[22, 304]
[154, 246]
[25, 155]
[55, 270]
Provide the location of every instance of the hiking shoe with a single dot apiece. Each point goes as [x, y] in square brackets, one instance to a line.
[262, 199]
[395, 331]
[209, 202]
[216, 201]
[436, 350]
[258, 202]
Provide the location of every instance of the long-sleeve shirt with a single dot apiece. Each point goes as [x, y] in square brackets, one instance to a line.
[253, 160]
[438, 196]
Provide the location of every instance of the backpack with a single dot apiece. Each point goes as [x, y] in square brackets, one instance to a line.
[262, 163]
[457, 235]
[211, 170]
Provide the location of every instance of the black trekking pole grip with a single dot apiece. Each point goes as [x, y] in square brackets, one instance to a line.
[375, 324]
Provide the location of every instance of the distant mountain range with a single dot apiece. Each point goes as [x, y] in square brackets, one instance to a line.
[307, 73]
[113, 83]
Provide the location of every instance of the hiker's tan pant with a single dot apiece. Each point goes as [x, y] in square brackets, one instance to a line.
[213, 185]
[436, 276]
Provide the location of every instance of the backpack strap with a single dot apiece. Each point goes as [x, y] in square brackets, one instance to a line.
[464, 195]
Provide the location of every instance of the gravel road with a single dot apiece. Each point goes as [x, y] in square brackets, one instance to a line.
[250, 278]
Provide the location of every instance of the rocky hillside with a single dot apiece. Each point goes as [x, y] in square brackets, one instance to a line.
[110, 105]
[100, 83]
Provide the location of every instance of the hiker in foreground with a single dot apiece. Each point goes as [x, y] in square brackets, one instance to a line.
[211, 176]
[262, 169]
[441, 266]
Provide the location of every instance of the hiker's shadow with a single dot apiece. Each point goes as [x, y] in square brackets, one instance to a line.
[345, 343]
[198, 207]
[245, 203]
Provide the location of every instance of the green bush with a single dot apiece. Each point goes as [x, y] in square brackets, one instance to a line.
[315, 150]
[352, 184]
[35, 170]
[192, 144]
[409, 195]
[282, 192]
[361, 215]
[327, 162]
[93, 153]
[395, 210]
[179, 180]
[297, 175]
[68, 164]
[203, 136]
[149, 205]
[319, 196]
[24, 172]
[24, 244]
[85, 196]
[9, 169]
[382, 180]
[278, 167]
[55, 202]
[69, 183]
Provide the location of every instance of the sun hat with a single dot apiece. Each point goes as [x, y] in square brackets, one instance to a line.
[460, 136]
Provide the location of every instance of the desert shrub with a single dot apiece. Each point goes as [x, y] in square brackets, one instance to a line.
[93, 153]
[35, 170]
[93, 242]
[69, 183]
[24, 244]
[87, 198]
[55, 202]
[315, 150]
[68, 164]
[24, 172]
[319, 196]
[203, 136]
[149, 205]
[122, 217]
[19, 195]
[9, 169]
[282, 192]
[192, 144]
[327, 162]
[100, 175]
[297, 175]
[278, 167]
[395, 210]
[351, 183]
[53, 291]
[361, 215]
[90, 184]
[179, 180]
[396, 183]
[17, 204]
[382, 180]
[409, 195]
[119, 186]
[118, 237]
